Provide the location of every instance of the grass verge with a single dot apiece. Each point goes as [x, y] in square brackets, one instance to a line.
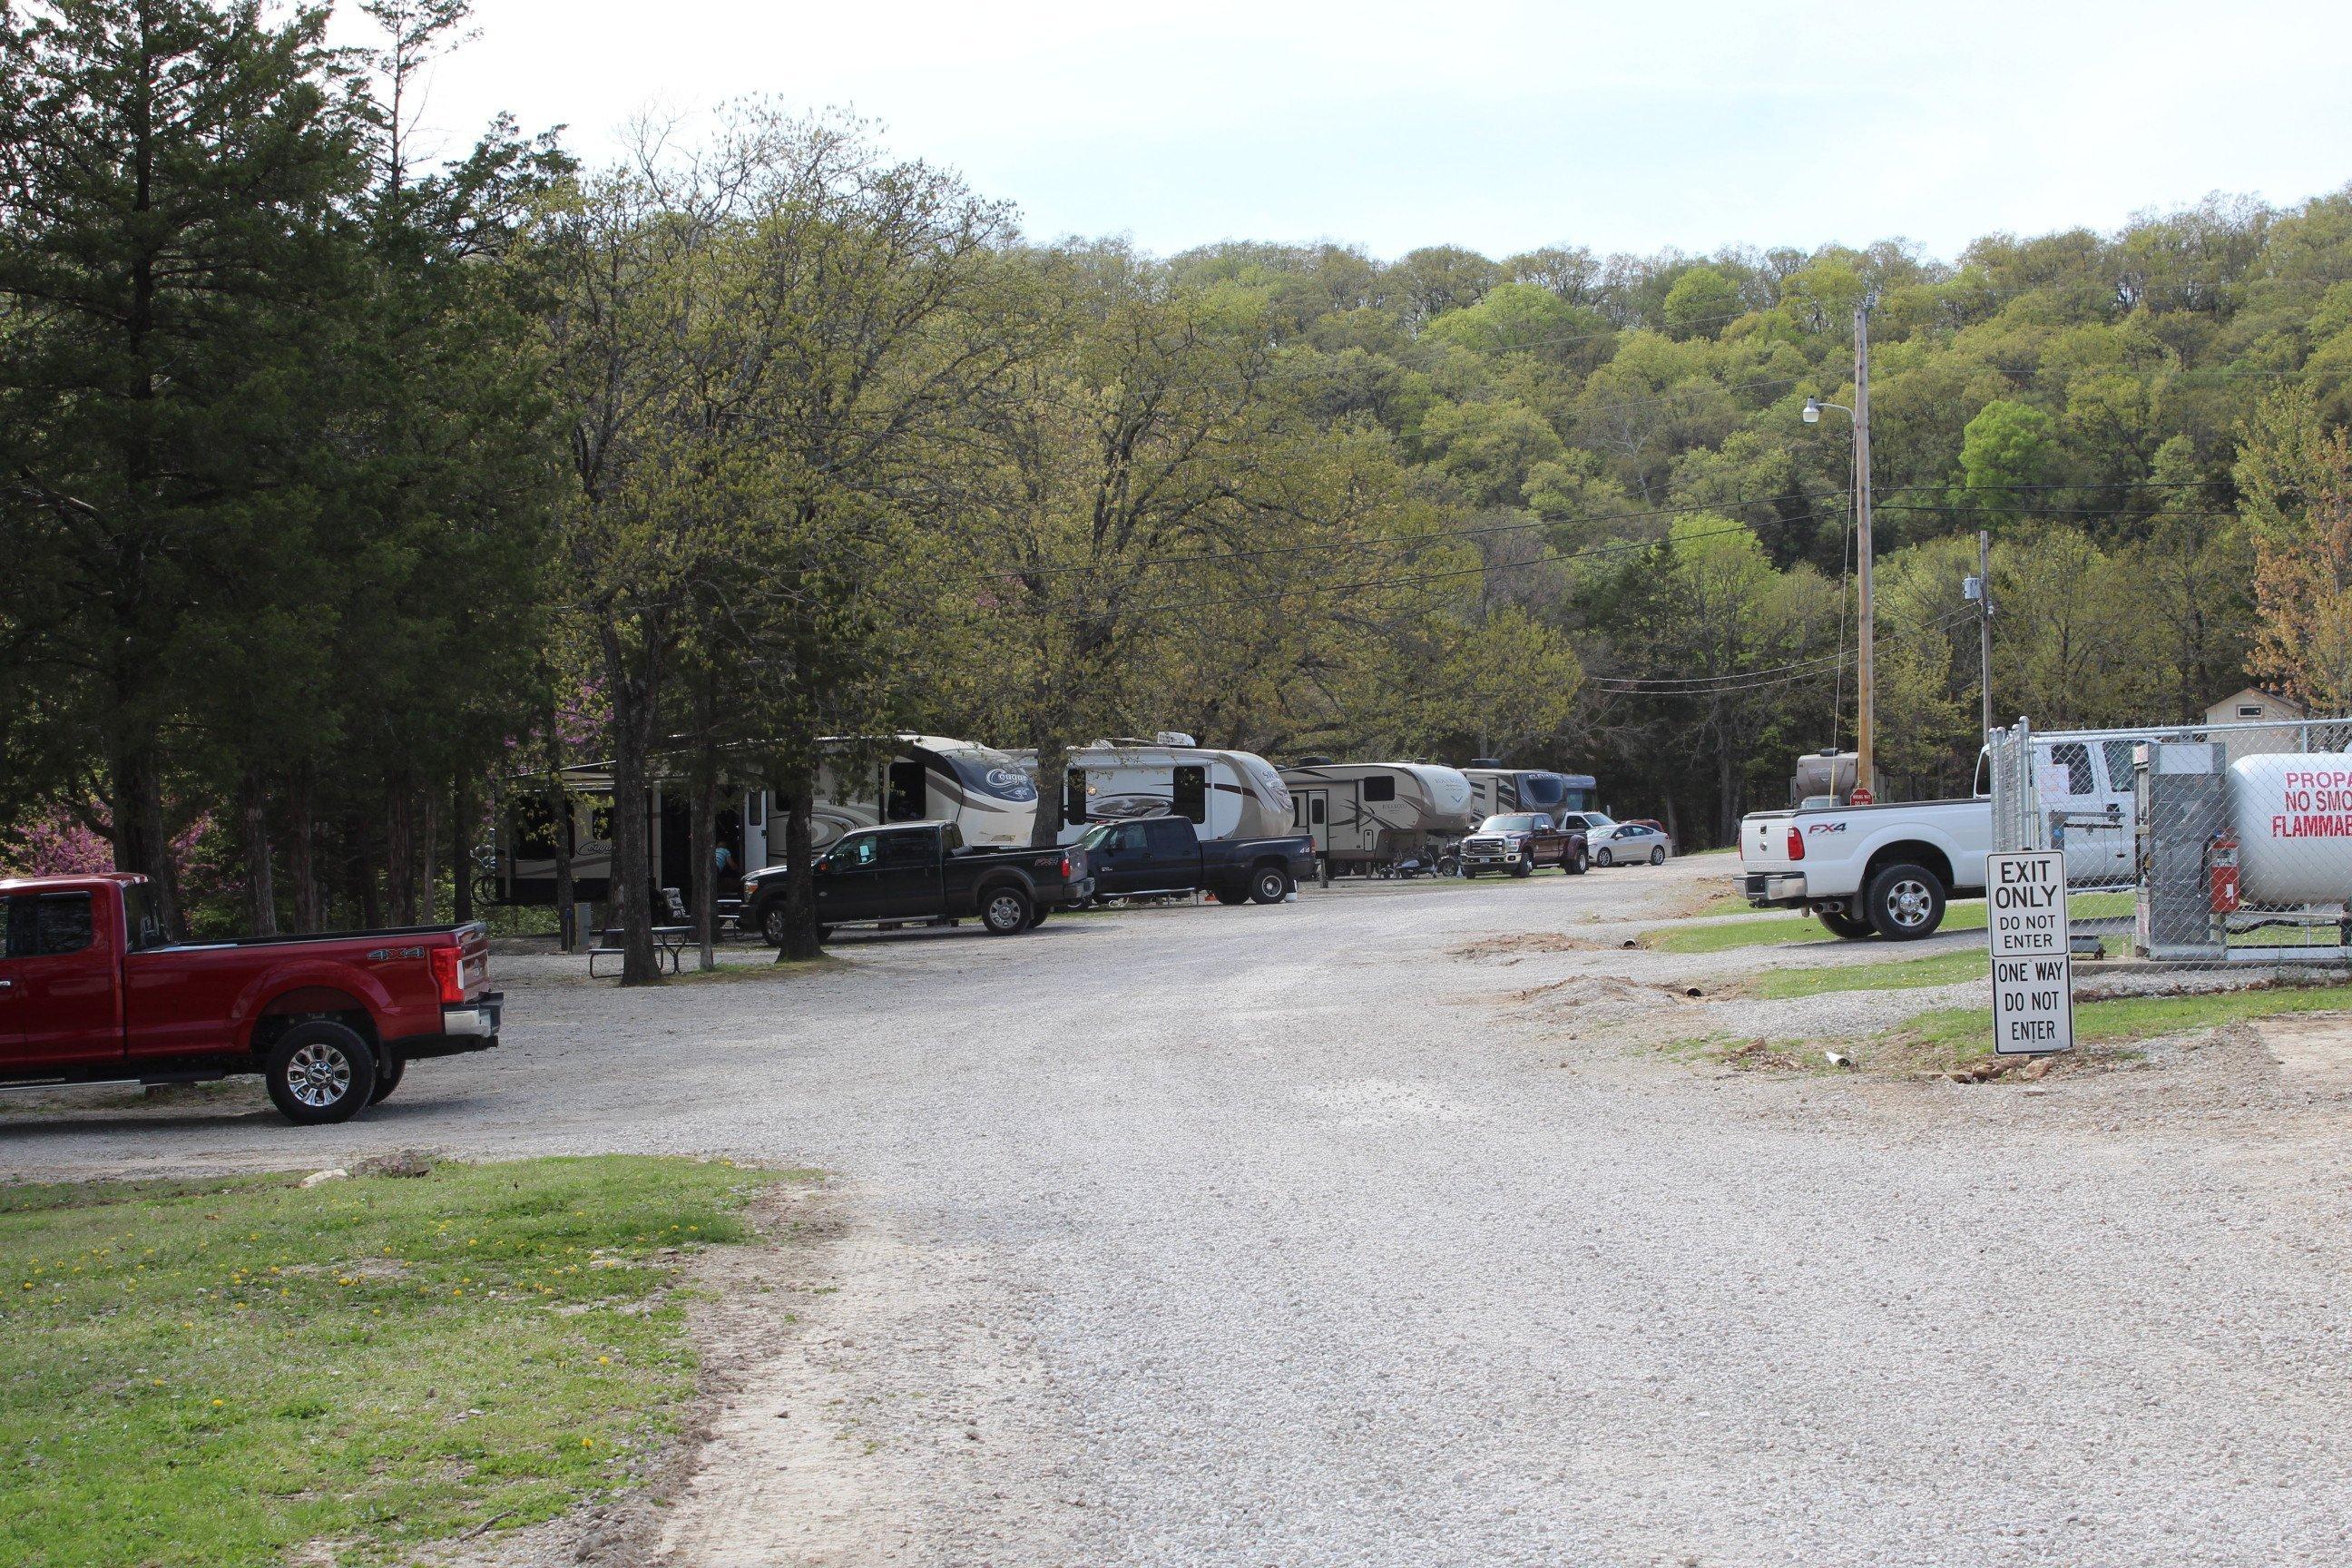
[216, 1373]
[1966, 1032]
[1779, 930]
[1894, 974]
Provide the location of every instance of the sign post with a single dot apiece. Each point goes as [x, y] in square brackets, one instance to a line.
[2033, 957]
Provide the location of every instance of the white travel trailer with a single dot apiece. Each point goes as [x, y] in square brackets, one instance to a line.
[1497, 789]
[897, 778]
[1362, 814]
[1223, 795]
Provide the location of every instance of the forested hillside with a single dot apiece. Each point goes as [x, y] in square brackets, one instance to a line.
[344, 483]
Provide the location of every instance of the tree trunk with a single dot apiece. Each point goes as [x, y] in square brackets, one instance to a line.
[461, 850]
[142, 843]
[261, 889]
[400, 855]
[632, 894]
[799, 874]
[559, 810]
[704, 839]
[1052, 782]
[302, 862]
[428, 880]
[361, 856]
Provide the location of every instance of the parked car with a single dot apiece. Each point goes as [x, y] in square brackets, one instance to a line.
[913, 873]
[1156, 854]
[1630, 842]
[1519, 841]
[91, 992]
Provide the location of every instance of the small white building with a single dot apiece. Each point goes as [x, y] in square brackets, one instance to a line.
[2277, 722]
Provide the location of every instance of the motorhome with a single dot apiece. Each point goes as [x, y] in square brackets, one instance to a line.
[1223, 794]
[862, 783]
[1367, 814]
[1495, 789]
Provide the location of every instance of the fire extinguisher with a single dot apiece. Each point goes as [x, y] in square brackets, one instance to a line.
[2221, 866]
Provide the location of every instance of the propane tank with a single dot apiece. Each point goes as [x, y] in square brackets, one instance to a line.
[2291, 814]
[2221, 868]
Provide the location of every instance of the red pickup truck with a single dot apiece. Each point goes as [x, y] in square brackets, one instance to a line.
[91, 993]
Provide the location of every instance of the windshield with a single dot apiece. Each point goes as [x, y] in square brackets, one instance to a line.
[1518, 822]
[1600, 819]
[1542, 789]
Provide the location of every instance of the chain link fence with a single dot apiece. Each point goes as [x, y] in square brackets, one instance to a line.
[2214, 845]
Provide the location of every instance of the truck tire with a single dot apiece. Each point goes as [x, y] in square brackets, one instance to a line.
[771, 922]
[1577, 864]
[1037, 916]
[1005, 909]
[388, 1070]
[1845, 925]
[1904, 903]
[1269, 885]
[319, 1072]
[1526, 867]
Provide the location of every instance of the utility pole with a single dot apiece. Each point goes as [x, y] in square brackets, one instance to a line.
[1865, 744]
[1984, 617]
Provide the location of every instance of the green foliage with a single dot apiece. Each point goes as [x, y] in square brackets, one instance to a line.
[2007, 447]
[1699, 303]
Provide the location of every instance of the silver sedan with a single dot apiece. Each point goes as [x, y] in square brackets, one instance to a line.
[1631, 843]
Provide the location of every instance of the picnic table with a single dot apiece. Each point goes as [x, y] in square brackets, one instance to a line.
[669, 942]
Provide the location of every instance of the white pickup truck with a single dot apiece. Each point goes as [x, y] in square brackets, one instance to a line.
[1883, 871]
[1889, 870]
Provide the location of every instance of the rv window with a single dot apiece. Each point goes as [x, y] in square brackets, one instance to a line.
[1542, 789]
[1314, 811]
[1379, 789]
[599, 824]
[2119, 764]
[1073, 796]
[904, 802]
[1192, 795]
[2075, 758]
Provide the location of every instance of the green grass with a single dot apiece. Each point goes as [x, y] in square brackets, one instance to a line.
[220, 1371]
[1968, 1031]
[1776, 929]
[1894, 974]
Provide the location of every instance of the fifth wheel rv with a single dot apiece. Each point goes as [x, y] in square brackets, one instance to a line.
[1497, 789]
[1223, 795]
[862, 783]
[1365, 814]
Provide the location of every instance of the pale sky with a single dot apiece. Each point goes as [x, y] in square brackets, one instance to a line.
[1502, 126]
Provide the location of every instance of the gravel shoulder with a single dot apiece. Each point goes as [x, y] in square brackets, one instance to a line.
[1366, 1230]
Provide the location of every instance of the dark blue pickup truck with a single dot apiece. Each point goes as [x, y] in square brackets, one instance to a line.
[918, 873]
[1155, 855]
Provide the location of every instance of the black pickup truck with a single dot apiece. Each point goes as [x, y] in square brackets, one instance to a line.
[918, 873]
[1162, 855]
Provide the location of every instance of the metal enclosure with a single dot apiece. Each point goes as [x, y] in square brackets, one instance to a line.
[2182, 807]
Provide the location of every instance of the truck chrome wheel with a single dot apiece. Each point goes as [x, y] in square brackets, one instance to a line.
[1908, 901]
[1006, 911]
[1905, 902]
[319, 1074]
[319, 1070]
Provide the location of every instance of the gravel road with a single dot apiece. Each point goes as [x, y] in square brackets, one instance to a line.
[1337, 1233]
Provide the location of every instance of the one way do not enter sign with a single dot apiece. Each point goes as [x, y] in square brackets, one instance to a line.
[2033, 961]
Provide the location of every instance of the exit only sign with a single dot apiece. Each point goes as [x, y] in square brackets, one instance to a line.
[2033, 960]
